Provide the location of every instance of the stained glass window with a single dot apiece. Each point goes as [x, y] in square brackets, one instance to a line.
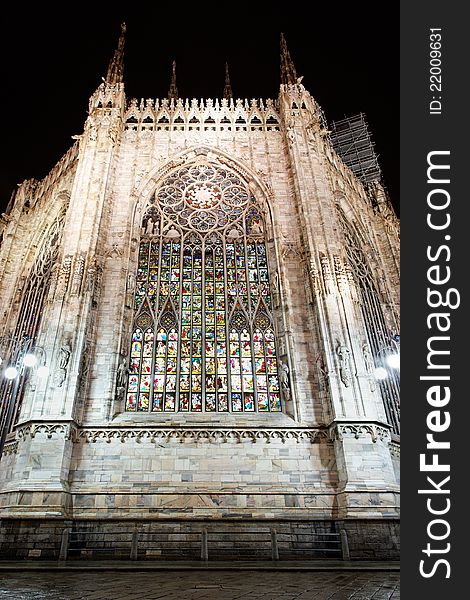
[203, 336]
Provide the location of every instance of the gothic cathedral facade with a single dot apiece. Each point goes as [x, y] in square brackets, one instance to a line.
[207, 291]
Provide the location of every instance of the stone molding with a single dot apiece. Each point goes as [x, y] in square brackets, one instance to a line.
[336, 431]
[182, 434]
[10, 448]
[65, 428]
[394, 449]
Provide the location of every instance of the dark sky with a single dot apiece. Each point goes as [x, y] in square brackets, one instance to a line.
[52, 63]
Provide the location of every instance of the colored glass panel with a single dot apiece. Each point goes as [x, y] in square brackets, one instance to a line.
[197, 294]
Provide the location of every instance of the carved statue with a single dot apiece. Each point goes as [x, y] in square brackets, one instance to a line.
[275, 289]
[284, 379]
[322, 371]
[284, 374]
[62, 363]
[122, 372]
[64, 355]
[344, 369]
[368, 360]
[149, 227]
[172, 233]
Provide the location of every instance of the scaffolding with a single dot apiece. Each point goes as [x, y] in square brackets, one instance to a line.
[352, 142]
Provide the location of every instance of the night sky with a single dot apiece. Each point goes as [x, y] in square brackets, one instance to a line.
[52, 63]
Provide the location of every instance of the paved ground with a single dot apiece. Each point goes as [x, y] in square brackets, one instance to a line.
[200, 585]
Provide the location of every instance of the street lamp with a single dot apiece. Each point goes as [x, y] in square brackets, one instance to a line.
[18, 356]
[388, 356]
[387, 373]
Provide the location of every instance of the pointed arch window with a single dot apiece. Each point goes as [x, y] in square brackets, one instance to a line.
[203, 335]
[379, 337]
[28, 323]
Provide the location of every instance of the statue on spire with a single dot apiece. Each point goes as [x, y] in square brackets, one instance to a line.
[116, 66]
[288, 72]
[228, 94]
[173, 91]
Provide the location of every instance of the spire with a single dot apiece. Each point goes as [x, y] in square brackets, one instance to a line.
[173, 91]
[116, 66]
[228, 88]
[288, 72]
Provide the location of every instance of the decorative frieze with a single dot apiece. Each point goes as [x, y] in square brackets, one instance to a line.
[340, 274]
[64, 276]
[339, 431]
[10, 448]
[395, 449]
[182, 434]
[62, 429]
[166, 434]
[155, 433]
[77, 277]
[328, 281]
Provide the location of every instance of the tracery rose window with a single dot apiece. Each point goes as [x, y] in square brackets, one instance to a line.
[203, 335]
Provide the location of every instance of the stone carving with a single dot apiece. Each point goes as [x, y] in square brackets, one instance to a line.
[327, 276]
[291, 135]
[212, 435]
[78, 275]
[113, 133]
[322, 370]
[130, 289]
[394, 449]
[68, 430]
[172, 233]
[284, 379]
[351, 282]
[62, 363]
[369, 365]
[84, 368]
[290, 250]
[390, 318]
[64, 276]
[19, 290]
[53, 283]
[114, 251]
[233, 233]
[377, 432]
[344, 354]
[94, 273]
[10, 448]
[368, 360]
[149, 228]
[275, 290]
[314, 278]
[121, 378]
[340, 273]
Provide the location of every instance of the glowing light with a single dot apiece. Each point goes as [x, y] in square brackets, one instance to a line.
[30, 360]
[393, 361]
[43, 371]
[380, 373]
[11, 373]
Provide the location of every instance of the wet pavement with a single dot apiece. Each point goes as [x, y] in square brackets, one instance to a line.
[200, 585]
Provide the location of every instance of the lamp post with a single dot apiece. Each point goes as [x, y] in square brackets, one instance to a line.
[18, 356]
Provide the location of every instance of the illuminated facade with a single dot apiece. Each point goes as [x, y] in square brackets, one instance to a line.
[208, 290]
